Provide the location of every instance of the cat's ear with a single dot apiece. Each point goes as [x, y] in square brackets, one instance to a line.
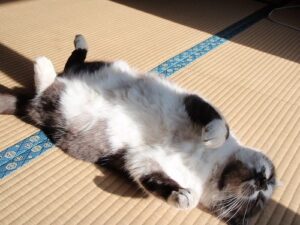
[199, 111]
[202, 114]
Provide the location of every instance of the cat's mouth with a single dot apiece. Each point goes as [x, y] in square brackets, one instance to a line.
[258, 204]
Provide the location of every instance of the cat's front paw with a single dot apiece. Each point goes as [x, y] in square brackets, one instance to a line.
[215, 133]
[183, 199]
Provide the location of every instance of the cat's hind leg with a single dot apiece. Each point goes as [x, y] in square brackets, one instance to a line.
[44, 74]
[79, 54]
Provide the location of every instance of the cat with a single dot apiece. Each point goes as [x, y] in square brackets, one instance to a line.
[174, 144]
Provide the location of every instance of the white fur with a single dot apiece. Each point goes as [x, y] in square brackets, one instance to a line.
[183, 199]
[44, 74]
[123, 67]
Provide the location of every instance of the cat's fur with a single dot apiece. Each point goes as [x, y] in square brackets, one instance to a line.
[173, 143]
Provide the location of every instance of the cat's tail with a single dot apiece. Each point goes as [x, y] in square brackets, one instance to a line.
[14, 104]
[79, 54]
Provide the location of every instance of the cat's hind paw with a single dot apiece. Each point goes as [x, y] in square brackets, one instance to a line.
[44, 73]
[215, 133]
[80, 42]
[183, 199]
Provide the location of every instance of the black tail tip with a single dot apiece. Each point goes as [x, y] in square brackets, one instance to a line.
[80, 42]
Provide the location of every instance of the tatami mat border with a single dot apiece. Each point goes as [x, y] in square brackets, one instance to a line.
[181, 60]
[23, 152]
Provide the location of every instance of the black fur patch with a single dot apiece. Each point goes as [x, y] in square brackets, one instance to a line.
[234, 174]
[113, 161]
[199, 111]
[76, 64]
[76, 58]
[159, 184]
[23, 101]
[87, 67]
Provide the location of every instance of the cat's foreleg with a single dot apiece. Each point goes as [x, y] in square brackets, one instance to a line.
[162, 186]
[148, 174]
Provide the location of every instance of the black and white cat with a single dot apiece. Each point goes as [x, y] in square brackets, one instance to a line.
[173, 143]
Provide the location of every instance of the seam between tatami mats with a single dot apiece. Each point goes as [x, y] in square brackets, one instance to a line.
[167, 68]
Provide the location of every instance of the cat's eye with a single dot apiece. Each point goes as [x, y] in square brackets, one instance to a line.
[250, 176]
[247, 179]
[271, 179]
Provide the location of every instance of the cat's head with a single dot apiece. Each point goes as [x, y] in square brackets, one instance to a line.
[242, 186]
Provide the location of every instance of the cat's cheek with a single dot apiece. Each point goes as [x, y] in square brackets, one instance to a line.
[183, 199]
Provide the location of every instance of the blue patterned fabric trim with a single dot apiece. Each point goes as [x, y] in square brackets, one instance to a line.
[18, 155]
[23, 152]
[181, 60]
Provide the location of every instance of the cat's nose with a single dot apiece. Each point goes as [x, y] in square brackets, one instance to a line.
[261, 181]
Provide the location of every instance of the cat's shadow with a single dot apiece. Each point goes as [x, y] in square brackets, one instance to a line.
[118, 183]
[17, 67]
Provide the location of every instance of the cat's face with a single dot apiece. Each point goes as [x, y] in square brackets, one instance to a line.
[244, 185]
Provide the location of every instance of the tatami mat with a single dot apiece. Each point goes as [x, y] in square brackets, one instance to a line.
[254, 79]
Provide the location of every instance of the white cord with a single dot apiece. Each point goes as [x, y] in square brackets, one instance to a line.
[281, 23]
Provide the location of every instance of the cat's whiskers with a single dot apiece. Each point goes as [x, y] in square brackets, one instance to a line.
[243, 202]
[235, 204]
[227, 195]
[229, 209]
[246, 211]
[225, 203]
[241, 205]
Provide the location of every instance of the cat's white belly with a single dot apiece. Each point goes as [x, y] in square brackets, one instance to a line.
[81, 104]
